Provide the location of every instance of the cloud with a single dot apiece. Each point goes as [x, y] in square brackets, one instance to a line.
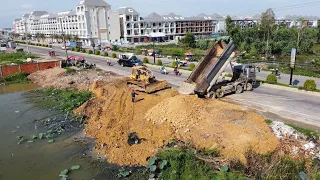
[26, 6]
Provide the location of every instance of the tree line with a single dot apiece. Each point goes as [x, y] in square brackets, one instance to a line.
[42, 37]
[270, 38]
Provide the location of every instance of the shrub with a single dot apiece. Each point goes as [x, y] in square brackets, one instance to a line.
[174, 64]
[310, 85]
[72, 49]
[159, 62]
[191, 67]
[272, 79]
[70, 70]
[114, 55]
[105, 54]
[115, 48]
[145, 60]
[97, 52]
[83, 50]
[19, 77]
[47, 45]
[90, 52]
[77, 49]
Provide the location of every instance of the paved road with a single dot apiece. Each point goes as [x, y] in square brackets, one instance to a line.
[286, 104]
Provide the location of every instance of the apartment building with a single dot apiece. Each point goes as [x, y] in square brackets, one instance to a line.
[135, 28]
[89, 21]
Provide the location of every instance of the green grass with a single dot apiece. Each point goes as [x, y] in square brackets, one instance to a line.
[286, 85]
[19, 77]
[70, 70]
[17, 58]
[309, 133]
[268, 121]
[65, 100]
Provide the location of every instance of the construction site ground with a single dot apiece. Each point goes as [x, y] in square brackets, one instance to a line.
[158, 119]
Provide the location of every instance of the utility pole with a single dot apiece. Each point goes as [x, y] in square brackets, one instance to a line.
[267, 45]
[64, 40]
[154, 53]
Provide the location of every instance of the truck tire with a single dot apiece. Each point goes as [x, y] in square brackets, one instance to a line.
[249, 87]
[210, 95]
[219, 93]
[121, 64]
[239, 89]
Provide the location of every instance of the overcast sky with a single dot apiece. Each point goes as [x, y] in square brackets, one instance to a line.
[11, 9]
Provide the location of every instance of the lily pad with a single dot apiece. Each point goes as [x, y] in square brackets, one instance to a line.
[51, 141]
[14, 131]
[30, 141]
[153, 168]
[152, 161]
[224, 168]
[33, 137]
[64, 173]
[163, 164]
[48, 136]
[151, 176]
[75, 167]
[63, 178]
[41, 135]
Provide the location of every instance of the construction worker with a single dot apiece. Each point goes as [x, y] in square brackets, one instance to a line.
[133, 95]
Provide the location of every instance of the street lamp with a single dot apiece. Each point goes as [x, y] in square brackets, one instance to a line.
[154, 36]
[63, 38]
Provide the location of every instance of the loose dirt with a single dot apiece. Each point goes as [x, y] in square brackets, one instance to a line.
[79, 80]
[163, 116]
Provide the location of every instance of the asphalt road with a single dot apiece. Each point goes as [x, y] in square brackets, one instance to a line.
[286, 104]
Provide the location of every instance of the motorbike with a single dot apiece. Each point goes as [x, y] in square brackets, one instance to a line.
[164, 71]
[177, 73]
[278, 75]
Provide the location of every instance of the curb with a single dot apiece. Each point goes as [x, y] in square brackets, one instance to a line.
[291, 89]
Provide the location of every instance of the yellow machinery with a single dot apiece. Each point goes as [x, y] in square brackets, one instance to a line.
[142, 77]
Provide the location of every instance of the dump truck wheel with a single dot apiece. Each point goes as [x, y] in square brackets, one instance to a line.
[239, 89]
[122, 64]
[219, 93]
[249, 87]
[210, 95]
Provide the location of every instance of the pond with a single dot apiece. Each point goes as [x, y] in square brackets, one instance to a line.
[39, 160]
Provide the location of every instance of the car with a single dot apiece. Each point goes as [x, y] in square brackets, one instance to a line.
[65, 47]
[129, 61]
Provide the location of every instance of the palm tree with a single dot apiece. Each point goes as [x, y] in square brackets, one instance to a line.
[52, 37]
[29, 35]
[43, 37]
[56, 37]
[68, 37]
[75, 38]
[38, 36]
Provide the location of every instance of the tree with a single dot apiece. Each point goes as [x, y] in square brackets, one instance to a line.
[68, 37]
[267, 21]
[38, 36]
[75, 38]
[189, 40]
[229, 24]
[42, 37]
[56, 37]
[29, 36]
[203, 44]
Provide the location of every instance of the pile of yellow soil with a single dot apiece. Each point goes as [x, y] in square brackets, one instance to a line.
[163, 116]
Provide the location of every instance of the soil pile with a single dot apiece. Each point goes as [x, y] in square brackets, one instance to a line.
[163, 116]
[214, 124]
[80, 80]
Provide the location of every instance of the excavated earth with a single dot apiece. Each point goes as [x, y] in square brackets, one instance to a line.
[161, 117]
[158, 118]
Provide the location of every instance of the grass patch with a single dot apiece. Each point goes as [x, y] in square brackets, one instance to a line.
[17, 58]
[70, 70]
[268, 121]
[309, 133]
[56, 99]
[19, 77]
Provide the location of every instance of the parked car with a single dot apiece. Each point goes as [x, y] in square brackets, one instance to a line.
[65, 47]
[129, 60]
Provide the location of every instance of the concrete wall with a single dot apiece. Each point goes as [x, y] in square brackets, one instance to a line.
[114, 28]
[27, 68]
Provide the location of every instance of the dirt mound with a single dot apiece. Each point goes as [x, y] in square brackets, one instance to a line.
[163, 116]
[214, 124]
[80, 80]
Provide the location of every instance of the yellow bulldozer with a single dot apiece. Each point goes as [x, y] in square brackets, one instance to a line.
[143, 77]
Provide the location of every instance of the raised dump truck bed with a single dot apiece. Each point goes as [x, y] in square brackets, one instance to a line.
[208, 69]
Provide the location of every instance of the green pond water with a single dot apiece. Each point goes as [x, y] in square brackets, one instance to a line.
[41, 160]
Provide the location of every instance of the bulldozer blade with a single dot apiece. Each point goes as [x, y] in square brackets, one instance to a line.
[150, 88]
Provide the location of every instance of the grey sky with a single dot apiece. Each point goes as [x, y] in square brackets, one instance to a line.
[11, 9]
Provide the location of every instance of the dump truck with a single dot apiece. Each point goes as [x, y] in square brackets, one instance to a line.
[143, 77]
[205, 79]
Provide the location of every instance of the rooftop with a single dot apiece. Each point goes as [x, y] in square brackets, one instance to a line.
[94, 3]
[39, 13]
[127, 11]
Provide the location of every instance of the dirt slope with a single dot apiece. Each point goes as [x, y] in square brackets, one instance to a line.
[158, 118]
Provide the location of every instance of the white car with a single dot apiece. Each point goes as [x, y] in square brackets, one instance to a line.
[65, 47]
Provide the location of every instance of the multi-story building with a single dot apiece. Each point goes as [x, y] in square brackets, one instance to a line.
[290, 21]
[137, 29]
[90, 22]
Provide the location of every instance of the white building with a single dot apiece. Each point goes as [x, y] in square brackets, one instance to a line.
[89, 21]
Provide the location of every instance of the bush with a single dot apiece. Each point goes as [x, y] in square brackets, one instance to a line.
[114, 55]
[70, 70]
[310, 85]
[145, 60]
[19, 77]
[83, 50]
[115, 48]
[174, 64]
[105, 54]
[191, 67]
[272, 79]
[90, 52]
[159, 62]
[47, 45]
[72, 49]
[77, 49]
[97, 52]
